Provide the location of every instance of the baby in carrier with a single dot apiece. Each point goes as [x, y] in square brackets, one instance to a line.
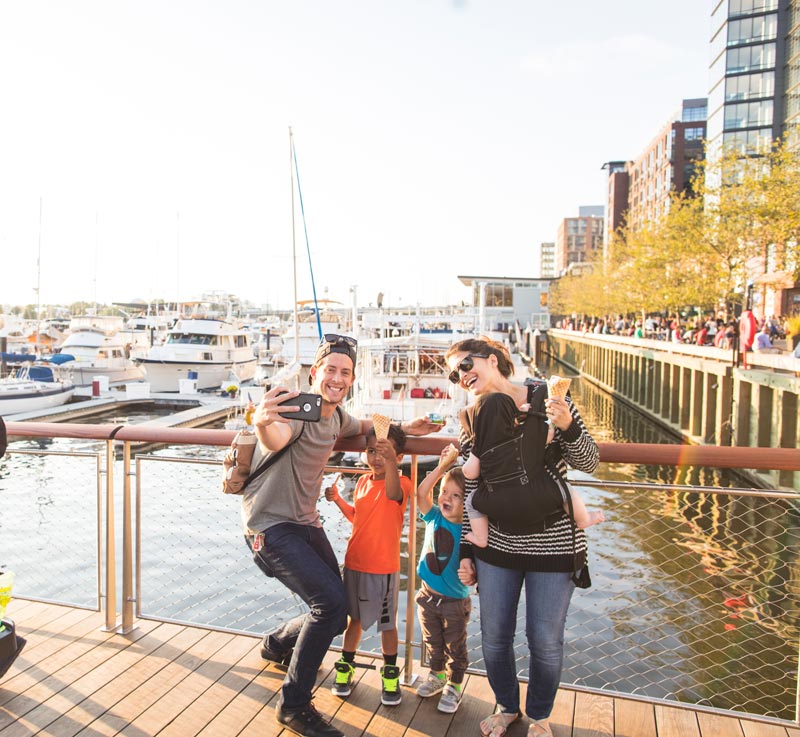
[507, 457]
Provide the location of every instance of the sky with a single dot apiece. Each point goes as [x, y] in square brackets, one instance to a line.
[144, 144]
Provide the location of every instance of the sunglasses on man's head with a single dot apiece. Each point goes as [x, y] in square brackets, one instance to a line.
[334, 339]
[466, 365]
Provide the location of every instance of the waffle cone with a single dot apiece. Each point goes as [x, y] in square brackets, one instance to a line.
[451, 455]
[557, 386]
[381, 424]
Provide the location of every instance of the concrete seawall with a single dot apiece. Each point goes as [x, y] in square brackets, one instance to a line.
[695, 391]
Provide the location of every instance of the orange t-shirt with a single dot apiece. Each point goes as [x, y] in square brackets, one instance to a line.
[374, 545]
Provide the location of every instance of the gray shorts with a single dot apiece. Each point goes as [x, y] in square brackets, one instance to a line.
[371, 598]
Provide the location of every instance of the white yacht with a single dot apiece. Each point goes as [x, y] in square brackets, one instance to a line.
[301, 340]
[94, 347]
[33, 388]
[208, 350]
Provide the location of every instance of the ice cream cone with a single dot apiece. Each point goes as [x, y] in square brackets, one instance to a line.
[381, 424]
[558, 386]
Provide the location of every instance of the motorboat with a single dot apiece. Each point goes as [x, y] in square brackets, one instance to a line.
[95, 348]
[302, 337]
[207, 350]
[32, 388]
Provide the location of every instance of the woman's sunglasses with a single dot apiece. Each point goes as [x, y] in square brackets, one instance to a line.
[466, 365]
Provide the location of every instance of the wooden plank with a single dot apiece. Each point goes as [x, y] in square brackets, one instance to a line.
[262, 685]
[429, 720]
[762, 729]
[718, 725]
[185, 709]
[353, 714]
[594, 715]
[58, 648]
[129, 709]
[563, 713]
[58, 692]
[88, 697]
[674, 722]
[634, 718]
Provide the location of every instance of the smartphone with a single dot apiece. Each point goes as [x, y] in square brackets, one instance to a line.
[310, 407]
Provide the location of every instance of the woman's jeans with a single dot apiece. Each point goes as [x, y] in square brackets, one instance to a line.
[547, 597]
[301, 558]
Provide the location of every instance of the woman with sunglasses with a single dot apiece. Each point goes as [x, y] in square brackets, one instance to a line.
[543, 558]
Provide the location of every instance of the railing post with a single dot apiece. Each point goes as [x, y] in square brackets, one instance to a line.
[411, 577]
[110, 558]
[127, 542]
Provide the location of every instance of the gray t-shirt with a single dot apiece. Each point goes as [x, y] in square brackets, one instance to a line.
[289, 490]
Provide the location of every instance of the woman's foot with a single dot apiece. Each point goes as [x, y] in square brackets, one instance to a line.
[497, 724]
[539, 728]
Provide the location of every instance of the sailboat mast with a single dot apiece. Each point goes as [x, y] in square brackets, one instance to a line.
[294, 255]
[39, 279]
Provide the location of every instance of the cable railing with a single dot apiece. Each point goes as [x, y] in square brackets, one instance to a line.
[695, 595]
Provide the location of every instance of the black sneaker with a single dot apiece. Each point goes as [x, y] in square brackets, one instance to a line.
[306, 721]
[390, 691]
[281, 658]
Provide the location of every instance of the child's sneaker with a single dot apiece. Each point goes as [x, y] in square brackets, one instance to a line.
[390, 693]
[343, 683]
[451, 698]
[431, 685]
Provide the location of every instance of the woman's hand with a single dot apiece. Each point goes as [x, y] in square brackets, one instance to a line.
[466, 572]
[558, 412]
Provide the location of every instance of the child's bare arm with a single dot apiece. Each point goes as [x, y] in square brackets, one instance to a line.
[391, 472]
[332, 495]
[426, 486]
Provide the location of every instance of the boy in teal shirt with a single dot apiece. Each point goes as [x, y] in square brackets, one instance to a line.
[443, 603]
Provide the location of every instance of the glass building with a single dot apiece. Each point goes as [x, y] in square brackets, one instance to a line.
[754, 73]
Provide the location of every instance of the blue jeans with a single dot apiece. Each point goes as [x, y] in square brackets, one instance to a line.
[301, 558]
[547, 597]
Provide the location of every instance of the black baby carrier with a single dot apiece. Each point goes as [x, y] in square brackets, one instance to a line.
[517, 489]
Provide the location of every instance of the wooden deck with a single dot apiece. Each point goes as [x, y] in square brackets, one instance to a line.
[173, 681]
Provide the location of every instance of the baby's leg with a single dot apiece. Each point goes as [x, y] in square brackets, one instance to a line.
[583, 517]
[479, 536]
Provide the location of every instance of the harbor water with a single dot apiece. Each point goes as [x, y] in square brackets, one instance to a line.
[692, 589]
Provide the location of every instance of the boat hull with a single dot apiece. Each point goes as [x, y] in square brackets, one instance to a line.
[165, 376]
[33, 396]
[85, 375]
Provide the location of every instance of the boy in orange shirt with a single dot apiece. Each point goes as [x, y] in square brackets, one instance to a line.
[372, 560]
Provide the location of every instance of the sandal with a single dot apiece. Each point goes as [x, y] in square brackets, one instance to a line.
[539, 728]
[497, 724]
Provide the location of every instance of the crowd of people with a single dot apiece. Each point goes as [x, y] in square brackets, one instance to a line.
[533, 537]
[765, 334]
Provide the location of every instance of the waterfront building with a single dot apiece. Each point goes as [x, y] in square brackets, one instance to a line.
[640, 191]
[754, 100]
[547, 260]
[578, 238]
[506, 300]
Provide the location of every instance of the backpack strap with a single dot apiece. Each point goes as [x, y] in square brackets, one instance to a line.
[275, 456]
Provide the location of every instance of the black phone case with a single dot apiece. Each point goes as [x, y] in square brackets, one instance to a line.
[310, 407]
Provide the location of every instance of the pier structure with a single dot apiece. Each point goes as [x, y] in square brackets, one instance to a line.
[699, 392]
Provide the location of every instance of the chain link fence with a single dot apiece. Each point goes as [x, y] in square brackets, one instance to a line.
[49, 525]
[695, 595]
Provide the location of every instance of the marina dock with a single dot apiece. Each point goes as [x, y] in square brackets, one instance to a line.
[166, 679]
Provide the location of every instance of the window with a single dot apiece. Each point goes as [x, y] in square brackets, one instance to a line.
[749, 142]
[748, 114]
[747, 30]
[693, 134]
[691, 114]
[750, 58]
[749, 86]
[744, 7]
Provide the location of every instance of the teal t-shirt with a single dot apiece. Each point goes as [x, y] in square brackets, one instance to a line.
[438, 561]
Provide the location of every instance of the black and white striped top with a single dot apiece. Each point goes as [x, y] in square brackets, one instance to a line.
[551, 550]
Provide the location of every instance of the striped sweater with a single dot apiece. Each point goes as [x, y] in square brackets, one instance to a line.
[551, 550]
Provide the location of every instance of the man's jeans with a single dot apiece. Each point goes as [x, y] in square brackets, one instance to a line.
[301, 558]
[547, 597]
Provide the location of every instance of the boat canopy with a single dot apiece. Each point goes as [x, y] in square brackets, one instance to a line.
[59, 358]
[16, 357]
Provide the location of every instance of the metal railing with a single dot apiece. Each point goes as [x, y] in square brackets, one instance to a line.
[696, 589]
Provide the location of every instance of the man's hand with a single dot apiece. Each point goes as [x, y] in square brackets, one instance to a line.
[421, 426]
[267, 411]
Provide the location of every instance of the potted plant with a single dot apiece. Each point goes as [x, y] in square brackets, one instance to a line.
[793, 331]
